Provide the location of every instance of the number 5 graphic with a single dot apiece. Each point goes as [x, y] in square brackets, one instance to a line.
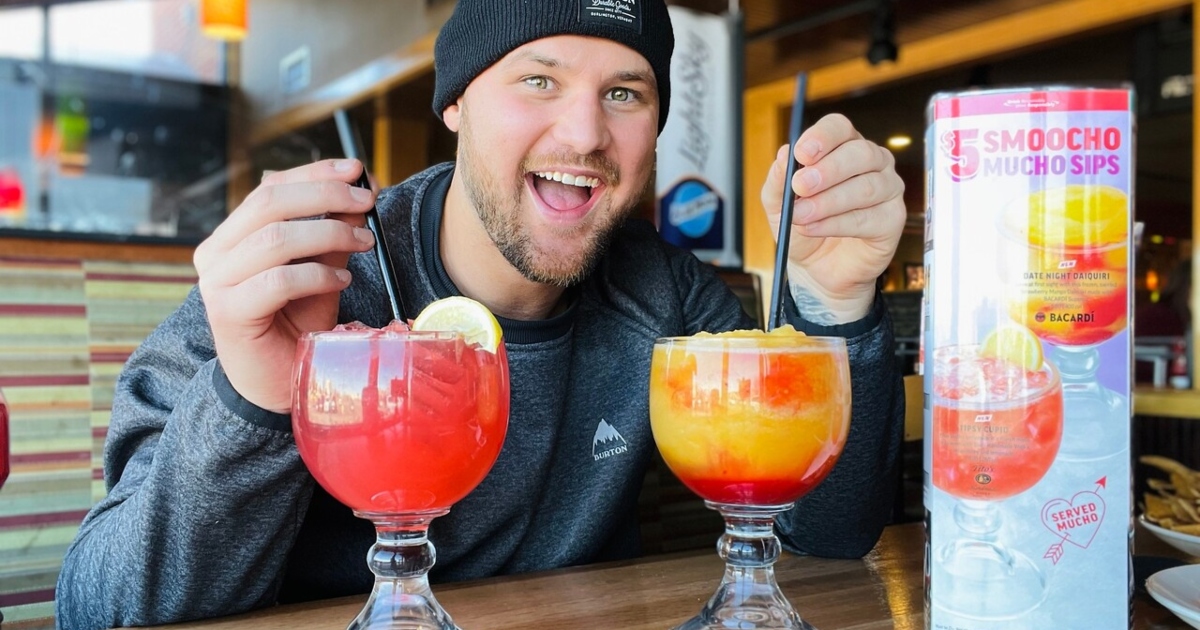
[958, 145]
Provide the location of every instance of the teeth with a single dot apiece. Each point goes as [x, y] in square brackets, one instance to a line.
[570, 180]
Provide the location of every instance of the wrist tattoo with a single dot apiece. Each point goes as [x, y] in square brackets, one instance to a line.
[811, 308]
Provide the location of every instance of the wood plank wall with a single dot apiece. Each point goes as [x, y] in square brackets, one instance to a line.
[66, 328]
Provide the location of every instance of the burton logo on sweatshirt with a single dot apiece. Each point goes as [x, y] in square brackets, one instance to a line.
[607, 441]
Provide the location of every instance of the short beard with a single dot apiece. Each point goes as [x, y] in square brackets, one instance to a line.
[500, 218]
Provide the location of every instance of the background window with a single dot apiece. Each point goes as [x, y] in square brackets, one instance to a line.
[158, 38]
[21, 33]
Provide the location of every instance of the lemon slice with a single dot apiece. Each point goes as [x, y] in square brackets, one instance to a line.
[462, 315]
[1014, 344]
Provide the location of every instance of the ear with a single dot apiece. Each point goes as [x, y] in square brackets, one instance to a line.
[452, 115]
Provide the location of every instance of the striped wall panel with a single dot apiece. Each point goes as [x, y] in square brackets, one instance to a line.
[124, 301]
[66, 328]
[44, 375]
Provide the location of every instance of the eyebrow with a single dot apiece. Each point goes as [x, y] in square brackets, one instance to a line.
[633, 76]
[530, 55]
[623, 76]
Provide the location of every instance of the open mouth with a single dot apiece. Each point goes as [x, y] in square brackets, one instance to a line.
[565, 192]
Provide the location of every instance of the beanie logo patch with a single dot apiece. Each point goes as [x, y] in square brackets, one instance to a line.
[622, 13]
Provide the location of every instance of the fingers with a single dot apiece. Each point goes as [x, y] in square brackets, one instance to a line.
[825, 136]
[852, 158]
[882, 222]
[281, 262]
[861, 191]
[856, 179]
[261, 257]
[342, 170]
[847, 186]
[290, 201]
[829, 153]
[283, 242]
[307, 191]
[264, 294]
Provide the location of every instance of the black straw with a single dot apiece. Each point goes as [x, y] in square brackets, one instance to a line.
[779, 282]
[352, 147]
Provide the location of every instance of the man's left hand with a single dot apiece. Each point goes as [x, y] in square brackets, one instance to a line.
[846, 222]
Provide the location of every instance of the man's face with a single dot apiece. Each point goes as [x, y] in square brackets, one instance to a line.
[556, 144]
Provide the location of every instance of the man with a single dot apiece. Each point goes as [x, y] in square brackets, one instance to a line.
[210, 510]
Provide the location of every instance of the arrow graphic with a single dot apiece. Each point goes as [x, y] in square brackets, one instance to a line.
[1077, 530]
[1054, 553]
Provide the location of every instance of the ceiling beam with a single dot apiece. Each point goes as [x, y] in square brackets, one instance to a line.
[810, 22]
[766, 109]
[982, 41]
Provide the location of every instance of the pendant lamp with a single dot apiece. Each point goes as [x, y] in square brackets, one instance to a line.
[223, 19]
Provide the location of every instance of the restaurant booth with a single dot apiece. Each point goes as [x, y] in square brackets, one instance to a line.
[129, 168]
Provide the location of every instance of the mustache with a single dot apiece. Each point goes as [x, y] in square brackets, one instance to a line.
[597, 162]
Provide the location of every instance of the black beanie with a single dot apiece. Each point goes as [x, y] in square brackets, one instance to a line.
[480, 32]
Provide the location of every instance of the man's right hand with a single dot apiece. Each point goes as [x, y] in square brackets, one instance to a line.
[267, 278]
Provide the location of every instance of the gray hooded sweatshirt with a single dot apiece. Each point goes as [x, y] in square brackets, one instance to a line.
[210, 510]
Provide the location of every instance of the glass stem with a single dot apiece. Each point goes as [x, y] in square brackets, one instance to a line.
[404, 558]
[979, 519]
[401, 559]
[748, 596]
[749, 546]
[1077, 365]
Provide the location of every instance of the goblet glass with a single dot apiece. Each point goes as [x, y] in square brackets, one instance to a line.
[750, 422]
[3, 450]
[398, 426]
[1065, 257]
[3, 440]
[997, 427]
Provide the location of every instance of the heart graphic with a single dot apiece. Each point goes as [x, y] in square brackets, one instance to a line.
[1075, 521]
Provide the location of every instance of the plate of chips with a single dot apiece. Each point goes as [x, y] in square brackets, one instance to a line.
[1171, 506]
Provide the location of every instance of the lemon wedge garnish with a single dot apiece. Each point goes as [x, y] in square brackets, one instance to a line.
[462, 315]
[1014, 344]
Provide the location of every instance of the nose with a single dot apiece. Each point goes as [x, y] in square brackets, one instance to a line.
[582, 125]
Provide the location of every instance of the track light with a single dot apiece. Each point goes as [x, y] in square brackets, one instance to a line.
[883, 33]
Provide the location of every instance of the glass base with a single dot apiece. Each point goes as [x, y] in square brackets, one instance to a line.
[758, 606]
[748, 597]
[983, 580]
[387, 609]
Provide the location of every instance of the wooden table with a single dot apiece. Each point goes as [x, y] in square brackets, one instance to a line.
[884, 591]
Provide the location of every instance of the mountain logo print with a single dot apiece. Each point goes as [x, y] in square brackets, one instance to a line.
[607, 442]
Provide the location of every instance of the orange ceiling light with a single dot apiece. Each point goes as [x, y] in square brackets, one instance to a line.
[223, 19]
[1152, 280]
